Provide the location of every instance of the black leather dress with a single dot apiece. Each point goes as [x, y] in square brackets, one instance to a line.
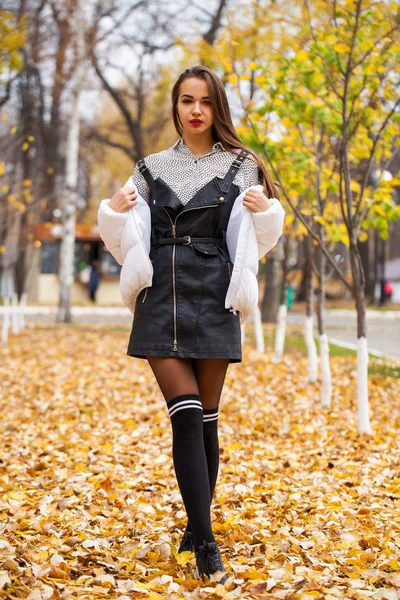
[183, 313]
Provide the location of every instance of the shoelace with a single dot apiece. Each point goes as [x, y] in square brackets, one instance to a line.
[212, 556]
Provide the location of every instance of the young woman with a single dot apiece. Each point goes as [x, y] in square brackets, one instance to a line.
[181, 325]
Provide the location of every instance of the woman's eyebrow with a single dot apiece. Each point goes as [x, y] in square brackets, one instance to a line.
[190, 96]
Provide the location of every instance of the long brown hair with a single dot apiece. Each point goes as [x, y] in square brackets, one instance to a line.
[223, 129]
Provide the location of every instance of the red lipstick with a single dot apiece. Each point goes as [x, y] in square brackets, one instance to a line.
[196, 122]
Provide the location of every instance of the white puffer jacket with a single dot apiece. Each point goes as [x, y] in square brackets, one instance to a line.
[249, 236]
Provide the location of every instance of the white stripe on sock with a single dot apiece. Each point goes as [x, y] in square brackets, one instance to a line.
[210, 417]
[183, 408]
[182, 402]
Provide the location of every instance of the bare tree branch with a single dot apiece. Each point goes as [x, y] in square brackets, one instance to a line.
[211, 34]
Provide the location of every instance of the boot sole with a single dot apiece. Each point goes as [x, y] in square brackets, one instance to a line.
[224, 576]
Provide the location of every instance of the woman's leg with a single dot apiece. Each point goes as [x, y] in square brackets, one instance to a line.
[210, 376]
[177, 382]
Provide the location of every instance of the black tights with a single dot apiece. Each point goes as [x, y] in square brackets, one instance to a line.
[202, 376]
[205, 378]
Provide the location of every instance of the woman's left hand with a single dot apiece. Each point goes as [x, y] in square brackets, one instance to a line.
[256, 200]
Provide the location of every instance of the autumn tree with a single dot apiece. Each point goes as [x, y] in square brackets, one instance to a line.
[318, 90]
[12, 41]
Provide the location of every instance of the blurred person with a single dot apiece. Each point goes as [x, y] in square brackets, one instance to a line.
[94, 278]
[388, 290]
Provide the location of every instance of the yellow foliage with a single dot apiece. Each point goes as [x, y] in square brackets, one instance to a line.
[355, 186]
[380, 210]
[341, 47]
[12, 39]
[295, 96]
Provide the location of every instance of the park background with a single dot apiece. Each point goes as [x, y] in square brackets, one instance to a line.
[306, 500]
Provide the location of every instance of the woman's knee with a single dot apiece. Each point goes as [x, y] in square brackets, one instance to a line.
[175, 376]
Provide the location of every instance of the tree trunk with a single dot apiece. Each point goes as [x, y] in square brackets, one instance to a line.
[282, 312]
[309, 323]
[363, 249]
[69, 216]
[374, 277]
[269, 308]
[258, 331]
[364, 425]
[326, 387]
[302, 291]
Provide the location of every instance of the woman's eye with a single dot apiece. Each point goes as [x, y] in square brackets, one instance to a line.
[186, 101]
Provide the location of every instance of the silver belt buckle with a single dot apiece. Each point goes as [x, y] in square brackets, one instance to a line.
[187, 237]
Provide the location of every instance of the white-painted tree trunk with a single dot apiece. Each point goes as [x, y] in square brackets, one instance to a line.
[326, 384]
[21, 310]
[364, 425]
[15, 313]
[243, 332]
[66, 273]
[326, 378]
[6, 320]
[311, 349]
[280, 333]
[7, 292]
[258, 330]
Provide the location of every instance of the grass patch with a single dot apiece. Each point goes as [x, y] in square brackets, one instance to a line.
[386, 369]
[295, 344]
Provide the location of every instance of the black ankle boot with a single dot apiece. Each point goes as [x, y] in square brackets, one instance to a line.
[187, 542]
[208, 561]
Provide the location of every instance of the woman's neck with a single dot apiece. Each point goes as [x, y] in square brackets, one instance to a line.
[198, 145]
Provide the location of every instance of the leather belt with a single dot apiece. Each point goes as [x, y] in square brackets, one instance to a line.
[187, 239]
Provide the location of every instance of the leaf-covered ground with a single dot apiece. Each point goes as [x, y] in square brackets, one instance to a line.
[90, 507]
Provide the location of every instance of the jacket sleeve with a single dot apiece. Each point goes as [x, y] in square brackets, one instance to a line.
[269, 227]
[111, 224]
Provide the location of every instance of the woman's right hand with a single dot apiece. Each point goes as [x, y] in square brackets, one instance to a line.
[123, 199]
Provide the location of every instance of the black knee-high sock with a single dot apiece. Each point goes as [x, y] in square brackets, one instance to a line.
[211, 446]
[190, 463]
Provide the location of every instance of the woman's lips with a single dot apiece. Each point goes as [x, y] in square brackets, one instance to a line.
[195, 122]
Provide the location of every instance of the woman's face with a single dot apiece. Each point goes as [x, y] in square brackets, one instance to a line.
[194, 104]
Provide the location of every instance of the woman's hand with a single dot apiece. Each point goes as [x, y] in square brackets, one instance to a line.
[123, 199]
[256, 200]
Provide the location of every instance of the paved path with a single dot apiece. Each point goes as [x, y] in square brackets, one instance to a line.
[383, 327]
[383, 331]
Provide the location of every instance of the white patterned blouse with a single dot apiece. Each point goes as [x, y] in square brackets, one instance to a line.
[186, 174]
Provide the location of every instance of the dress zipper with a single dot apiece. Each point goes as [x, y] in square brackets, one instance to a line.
[175, 346]
[147, 289]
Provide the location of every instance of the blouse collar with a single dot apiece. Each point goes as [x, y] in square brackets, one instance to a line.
[180, 145]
